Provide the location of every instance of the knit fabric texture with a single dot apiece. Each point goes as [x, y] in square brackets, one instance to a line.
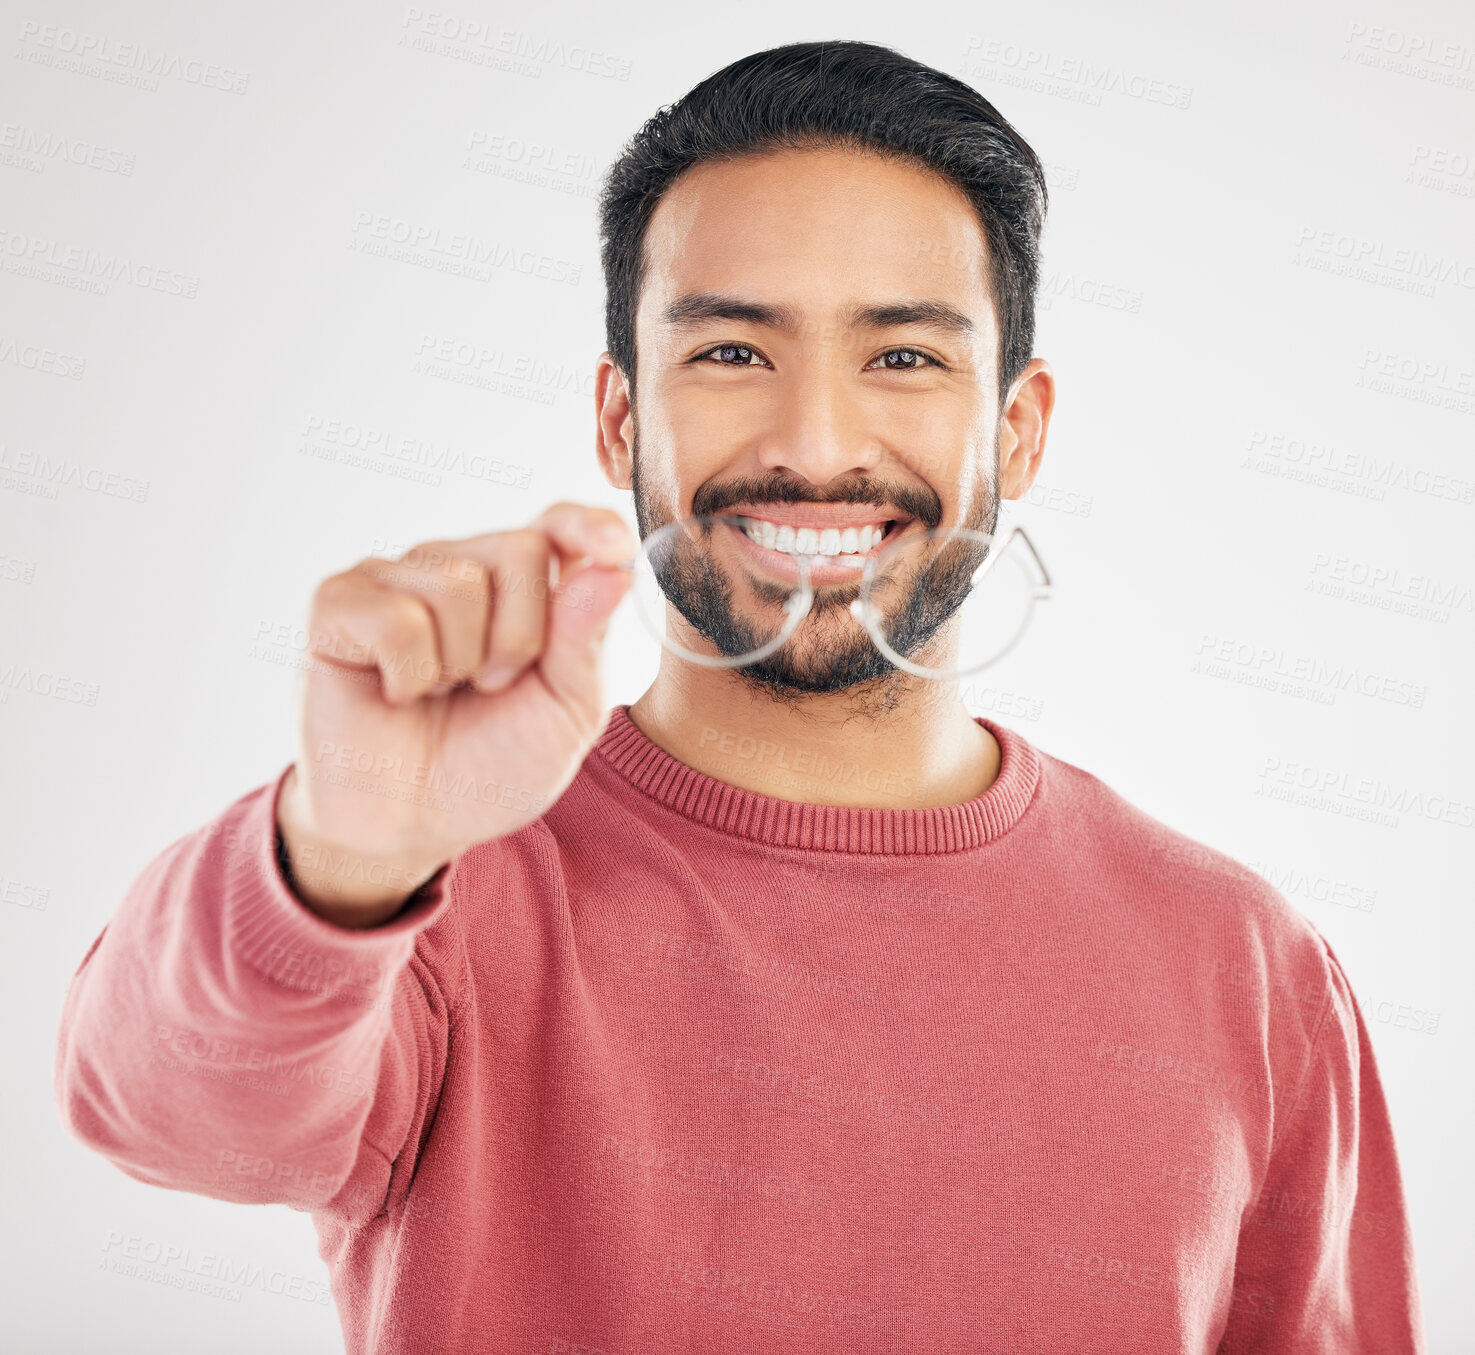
[682, 1067]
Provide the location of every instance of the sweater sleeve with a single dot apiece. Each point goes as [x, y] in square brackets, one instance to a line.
[1325, 1264]
[221, 1038]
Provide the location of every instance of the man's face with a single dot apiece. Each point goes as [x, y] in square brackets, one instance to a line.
[817, 349]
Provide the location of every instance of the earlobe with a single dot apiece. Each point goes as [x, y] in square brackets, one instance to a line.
[614, 459]
[617, 468]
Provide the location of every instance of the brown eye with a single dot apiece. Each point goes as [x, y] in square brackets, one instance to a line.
[915, 359]
[731, 355]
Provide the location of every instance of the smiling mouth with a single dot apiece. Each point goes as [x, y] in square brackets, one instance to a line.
[836, 543]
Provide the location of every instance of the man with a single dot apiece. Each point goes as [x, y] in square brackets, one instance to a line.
[579, 1030]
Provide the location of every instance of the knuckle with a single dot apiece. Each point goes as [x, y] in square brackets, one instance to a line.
[427, 556]
[330, 592]
[468, 581]
[404, 623]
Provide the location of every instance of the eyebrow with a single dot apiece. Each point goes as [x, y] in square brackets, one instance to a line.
[697, 308]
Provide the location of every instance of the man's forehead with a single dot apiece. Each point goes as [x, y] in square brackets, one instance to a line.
[831, 232]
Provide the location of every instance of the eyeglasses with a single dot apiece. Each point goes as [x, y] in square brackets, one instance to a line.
[743, 586]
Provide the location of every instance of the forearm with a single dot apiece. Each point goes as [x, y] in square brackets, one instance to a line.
[222, 1038]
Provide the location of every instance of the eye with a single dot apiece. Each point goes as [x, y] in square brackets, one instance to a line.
[730, 355]
[918, 357]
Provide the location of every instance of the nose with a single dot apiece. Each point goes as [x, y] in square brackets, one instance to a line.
[820, 430]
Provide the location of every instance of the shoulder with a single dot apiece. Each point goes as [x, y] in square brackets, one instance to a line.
[1194, 896]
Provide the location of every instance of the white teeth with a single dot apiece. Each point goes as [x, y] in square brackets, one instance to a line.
[811, 541]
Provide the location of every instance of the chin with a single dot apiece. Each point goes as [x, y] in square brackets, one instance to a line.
[819, 675]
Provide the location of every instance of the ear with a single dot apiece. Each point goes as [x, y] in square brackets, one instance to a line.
[1023, 425]
[614, 433]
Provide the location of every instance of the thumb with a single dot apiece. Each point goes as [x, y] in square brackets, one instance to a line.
[578, 620]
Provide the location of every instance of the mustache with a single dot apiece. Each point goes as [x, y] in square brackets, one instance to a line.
[915, 501]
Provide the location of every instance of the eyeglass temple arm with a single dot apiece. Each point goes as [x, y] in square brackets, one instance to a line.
[1042, 590]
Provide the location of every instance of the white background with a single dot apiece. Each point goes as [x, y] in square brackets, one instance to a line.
[1209, 344]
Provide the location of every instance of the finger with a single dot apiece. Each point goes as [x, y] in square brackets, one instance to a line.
[579, 531]
[578, 621]
[359, 624]
[575, 531]
[521, 591]
[456, 590]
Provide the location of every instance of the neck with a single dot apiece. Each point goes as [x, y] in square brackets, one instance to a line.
[913, 746]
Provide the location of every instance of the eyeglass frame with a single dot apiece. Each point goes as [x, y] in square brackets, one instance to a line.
[803, 596]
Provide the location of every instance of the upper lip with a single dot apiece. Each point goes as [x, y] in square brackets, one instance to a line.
[819, 515]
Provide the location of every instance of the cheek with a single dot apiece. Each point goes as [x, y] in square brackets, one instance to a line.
[674, 463]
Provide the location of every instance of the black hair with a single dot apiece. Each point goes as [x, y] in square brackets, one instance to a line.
[834, 95]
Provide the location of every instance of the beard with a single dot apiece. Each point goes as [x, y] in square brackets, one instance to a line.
[830, 651]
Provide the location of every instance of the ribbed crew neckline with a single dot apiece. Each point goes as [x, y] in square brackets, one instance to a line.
[787, 823]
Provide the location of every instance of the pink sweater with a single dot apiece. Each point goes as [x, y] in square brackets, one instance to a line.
[685, 1068]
